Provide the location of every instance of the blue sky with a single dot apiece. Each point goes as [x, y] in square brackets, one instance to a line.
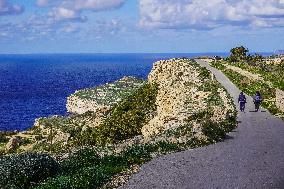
[123, 26]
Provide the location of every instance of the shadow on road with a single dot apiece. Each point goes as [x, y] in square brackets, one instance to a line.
[227, 137]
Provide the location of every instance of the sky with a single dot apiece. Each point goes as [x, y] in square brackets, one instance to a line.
[140, 26]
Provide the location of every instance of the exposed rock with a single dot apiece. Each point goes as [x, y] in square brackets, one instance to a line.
[280, 99]
[101, 99]
[13, 143]
[173, 94]
[179, 97]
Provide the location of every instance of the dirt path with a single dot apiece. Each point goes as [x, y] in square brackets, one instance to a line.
[252, 156]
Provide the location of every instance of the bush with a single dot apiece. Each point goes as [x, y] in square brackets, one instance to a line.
[3, 138]
[128, 117]
[83, 158]
[88, 178]
[25, 170]
[219, 65]
[138, 154]
[85, 169]
[204, 73]
[213, 131]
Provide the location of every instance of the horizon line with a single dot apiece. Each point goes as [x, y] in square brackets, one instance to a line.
[89, 53]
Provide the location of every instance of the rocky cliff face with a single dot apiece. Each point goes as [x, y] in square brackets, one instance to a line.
[185, 89]
[102, 98]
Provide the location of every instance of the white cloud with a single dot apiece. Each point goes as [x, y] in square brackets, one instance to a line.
[9, 9]
[62, 13]
[72, 9]
[94, 5]
[36, 28]
[209, 14]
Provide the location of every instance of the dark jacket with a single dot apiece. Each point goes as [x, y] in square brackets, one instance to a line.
[242, 98]
[257, 99]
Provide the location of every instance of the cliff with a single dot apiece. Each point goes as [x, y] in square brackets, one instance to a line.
[185, 90]
[180, 102]
[102, 98]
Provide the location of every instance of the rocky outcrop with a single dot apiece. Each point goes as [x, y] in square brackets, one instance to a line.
[280, 99]
[101, 99]
[13, 143]
[181, 95]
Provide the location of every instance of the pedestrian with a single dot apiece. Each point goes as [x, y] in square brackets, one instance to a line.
[242, 100]
[257, 99]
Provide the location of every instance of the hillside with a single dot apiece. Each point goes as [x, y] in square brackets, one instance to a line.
[181, 106]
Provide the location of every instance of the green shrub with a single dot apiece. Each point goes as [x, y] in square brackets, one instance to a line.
[83, 158]
[230, 122]
[201, 115]
[87, 178]
[138, 154]
[86, 169]
[25, 170]
[3, 137]
[128, 117]
[213, 131]
[204, 73]
[166, 147]
[218, 65]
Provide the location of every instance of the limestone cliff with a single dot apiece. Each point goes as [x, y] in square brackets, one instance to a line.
[102, 98]
[185, 89]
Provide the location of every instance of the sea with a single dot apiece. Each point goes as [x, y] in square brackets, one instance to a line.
[37, 85]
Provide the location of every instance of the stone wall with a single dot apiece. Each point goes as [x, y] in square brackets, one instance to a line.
[280, 99]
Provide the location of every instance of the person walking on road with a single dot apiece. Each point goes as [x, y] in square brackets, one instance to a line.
[242, 100]
[257, 99]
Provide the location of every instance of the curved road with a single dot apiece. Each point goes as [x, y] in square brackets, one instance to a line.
[251, 157]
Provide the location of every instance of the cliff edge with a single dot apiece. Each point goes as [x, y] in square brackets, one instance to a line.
[103, 97]
[180, 102]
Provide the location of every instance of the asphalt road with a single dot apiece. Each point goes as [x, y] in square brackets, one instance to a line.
[252, 156]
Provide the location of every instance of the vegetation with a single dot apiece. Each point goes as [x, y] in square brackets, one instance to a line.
[250, 87]
[86, 169]
[238, 54]
[110, 93]
[3, 137]
[272, 78]
[25, 170]
[91, 154]
[127, 119]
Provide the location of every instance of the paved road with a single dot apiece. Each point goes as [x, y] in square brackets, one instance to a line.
[251, 157]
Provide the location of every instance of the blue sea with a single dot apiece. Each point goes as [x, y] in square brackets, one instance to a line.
[33, 86]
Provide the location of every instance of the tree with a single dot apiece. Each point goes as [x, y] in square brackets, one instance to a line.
[238, 54]
[257, 60]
